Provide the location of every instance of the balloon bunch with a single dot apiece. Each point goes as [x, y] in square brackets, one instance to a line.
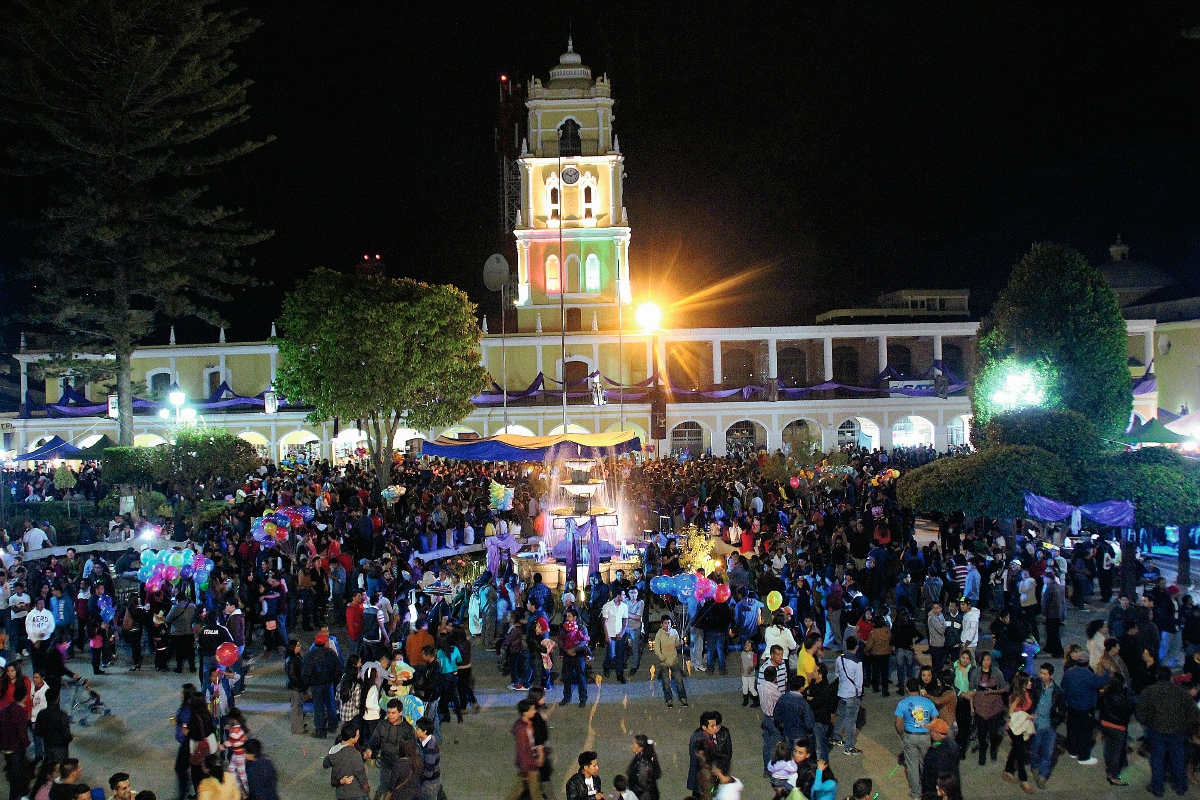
[173, 566]
[690, 585]
[273, 525]
[393, 493]
[885, 476]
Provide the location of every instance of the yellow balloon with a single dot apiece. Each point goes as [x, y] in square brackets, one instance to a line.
[774, 601]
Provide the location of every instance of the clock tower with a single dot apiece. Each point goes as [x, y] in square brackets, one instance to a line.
[572, 233]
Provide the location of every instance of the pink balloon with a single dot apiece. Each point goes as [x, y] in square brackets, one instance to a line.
[172, 573]
[795, 482]
[153, 585]
[704, 588]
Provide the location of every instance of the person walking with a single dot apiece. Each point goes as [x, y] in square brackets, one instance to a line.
[348, 773]
[1020, 731]
[261, 777]
[616, 619]
[644, 769]
[431, 760]
[710, 741]
[392, 741]
[183, 641]
[987, 702]
[293, 668]
[1115, 707]
[1054, 611]
[850, 692]
[792, 715]
[320, 672]
[573, 644]
[822, 698]
[941, 759]
[666, 647]
[913, 715]
[1169, 715]
[1049, 711]
[529, 755]
[1081, 686]
[935, 624]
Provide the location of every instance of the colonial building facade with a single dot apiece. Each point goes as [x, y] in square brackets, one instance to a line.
[851, 379]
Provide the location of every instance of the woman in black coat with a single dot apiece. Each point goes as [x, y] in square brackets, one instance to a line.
[644, 770]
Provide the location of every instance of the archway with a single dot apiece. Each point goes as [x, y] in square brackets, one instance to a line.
[349, 443]
[912, 431]
[460, 432]
[858, 432]
[743, 438]
[148, 440]
[571, 428]
[301, 447]
[404, 437]
[257, 441]
[688, 437]
[516, 430]
[88, 441]
[958, 431]
[801, 437]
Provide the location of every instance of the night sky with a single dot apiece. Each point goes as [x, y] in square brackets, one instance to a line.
[832, 152]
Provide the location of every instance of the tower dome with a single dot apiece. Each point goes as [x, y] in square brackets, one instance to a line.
[571, 73]
[1131, 280]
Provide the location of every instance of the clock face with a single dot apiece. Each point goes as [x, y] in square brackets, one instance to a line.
[570, 175]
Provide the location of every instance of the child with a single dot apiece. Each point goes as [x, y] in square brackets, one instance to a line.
[749, 675]
[623, 790]
[782, 769]
[728, 787]
[235, 744]
[862, 789]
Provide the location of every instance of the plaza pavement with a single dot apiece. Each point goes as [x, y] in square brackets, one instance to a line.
[478, 754]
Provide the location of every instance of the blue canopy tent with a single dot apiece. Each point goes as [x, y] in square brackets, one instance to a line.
[57, 447]
[512, 447]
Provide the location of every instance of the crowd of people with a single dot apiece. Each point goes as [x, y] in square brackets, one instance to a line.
[828, 598]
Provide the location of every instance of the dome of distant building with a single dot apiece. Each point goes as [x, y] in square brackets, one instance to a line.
[571, 73]
[1132, 280]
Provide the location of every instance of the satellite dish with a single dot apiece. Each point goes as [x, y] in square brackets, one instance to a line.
[495, 272]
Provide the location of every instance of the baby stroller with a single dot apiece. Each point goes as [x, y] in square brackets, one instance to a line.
[84, 702]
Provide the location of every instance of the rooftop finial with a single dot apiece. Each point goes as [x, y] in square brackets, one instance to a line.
[570, 44]
[1119, 251]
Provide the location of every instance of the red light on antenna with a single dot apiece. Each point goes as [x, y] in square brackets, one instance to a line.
[377, 255]
[366, 257]
[503, 77]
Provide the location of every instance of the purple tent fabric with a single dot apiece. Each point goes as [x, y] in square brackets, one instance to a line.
[1114, 513]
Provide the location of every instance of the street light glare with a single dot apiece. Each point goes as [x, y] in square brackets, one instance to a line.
[1021, 389]
[162, 412]
[176, 395]
[188, 414]
[649, 316]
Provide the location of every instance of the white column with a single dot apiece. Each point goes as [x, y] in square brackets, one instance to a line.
[221, 366]
[882, 353]
[937, 348]
[540, 367]
[1148, 347]
[718, 368]
[596, 355]
[483, 358]
[827, 358]
[662, 359]
[885, 433]
[274, 364]
[772, 358]
[24, 394]
[941, 436]
[174, 373]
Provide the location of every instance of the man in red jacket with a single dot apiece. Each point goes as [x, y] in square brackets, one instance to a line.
[354, 619]
[529, 755]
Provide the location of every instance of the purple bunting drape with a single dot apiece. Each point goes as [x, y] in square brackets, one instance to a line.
[1114, 513]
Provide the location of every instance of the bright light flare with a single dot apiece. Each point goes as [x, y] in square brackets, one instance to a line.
[649, 316]
[1020, 389]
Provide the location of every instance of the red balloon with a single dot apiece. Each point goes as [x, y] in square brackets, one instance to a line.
[227, 654]
[722, 593]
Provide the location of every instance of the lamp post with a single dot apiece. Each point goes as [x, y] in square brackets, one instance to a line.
[649, 316]
[177, 398]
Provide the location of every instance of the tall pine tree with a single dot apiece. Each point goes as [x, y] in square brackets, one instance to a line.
[119, 103]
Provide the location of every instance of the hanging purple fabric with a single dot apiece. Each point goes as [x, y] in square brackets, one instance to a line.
[594, 547]
[504, 542]
[1114, 513]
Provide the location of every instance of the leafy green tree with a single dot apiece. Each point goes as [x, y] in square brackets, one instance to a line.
[1057, 315]
[390, 352]
[130, 466]
[121, 105]
[202, 462]
[1163, 486]
[990, 483]
[1067, 434]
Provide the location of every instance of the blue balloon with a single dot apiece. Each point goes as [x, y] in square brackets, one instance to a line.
[685, 585]
[107, 613]
[307, 513]
[146, 572]
[662, 584]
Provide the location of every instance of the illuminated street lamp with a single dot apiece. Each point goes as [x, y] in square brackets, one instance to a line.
[1019, 388]
[177, 397]
[649, 316]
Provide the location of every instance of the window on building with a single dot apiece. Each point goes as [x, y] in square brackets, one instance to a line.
[588, 207]
[213, 380]
[569, 141]
[554, 203]
[738, 366]
[553, 275]
[687, 436]
[952, 359]
[157, 384]
[574, 320]
[575, 374]
[73, 382]
[793, 367]
[591, 273]
[845, 365]
[848, 433]
[899, 358]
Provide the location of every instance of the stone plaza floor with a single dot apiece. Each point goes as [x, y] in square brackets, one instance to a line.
[477, 756]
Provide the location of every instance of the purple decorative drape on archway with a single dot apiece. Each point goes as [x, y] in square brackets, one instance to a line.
[502, 541]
